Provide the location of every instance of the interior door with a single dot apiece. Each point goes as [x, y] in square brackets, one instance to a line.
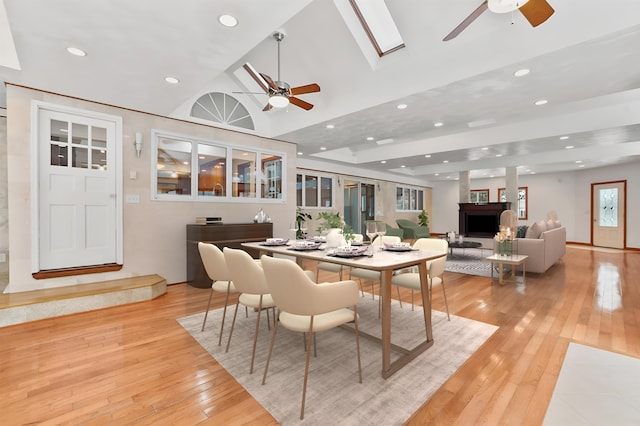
[359, 204]
[77, 216]
[609, 214]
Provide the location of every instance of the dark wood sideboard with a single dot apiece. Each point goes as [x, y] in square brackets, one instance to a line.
[222, 235]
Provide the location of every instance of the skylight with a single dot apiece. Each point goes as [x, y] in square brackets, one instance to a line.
[378, 24]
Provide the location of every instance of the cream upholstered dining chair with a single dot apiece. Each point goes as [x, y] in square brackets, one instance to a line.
[308, 307]
[373, 276]
[435, 275]
[248, 277]
[334, 267]
[216, 267]
[430, 244]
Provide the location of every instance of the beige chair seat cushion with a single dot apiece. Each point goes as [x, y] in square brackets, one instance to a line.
[365, 274]
[221, 286]
[253, 300]
[321, 322]
[407, 280]
[328, 266]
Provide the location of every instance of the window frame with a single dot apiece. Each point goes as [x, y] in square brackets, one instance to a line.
[371, 32]
[407, 192]
[477, 193]
[195, 195]
[525, 189]
[319, 177]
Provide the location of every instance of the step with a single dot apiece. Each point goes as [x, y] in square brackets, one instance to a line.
[17, 308]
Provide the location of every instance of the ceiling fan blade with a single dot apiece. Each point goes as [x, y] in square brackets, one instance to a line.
[536, 11]
[468, 20]
[300, 103]
[270, 82]
[301, 90]
[267, 107]
[254, 74]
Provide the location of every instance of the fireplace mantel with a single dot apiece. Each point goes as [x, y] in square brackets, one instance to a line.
[480, 220]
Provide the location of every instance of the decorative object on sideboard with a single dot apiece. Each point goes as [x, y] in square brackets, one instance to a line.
[261, 217]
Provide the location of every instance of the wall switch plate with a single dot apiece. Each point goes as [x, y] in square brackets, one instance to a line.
[3, 257]
[132, 198]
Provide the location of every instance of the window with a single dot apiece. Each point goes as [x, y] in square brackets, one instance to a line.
[523, 199]
[378, 24]
[479, 196]
[199, 170]
[409, 199]
[222, 108]
[313, 190]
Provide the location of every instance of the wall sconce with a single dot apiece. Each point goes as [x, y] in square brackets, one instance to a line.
[138, 144]
[339, 181]
[379, 187]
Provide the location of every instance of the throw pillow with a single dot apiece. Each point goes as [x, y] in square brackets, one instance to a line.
[550, 224]
[542, 227]
[532, 231]
[522, 231]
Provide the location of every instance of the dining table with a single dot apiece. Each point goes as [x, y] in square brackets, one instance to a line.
[386, 262]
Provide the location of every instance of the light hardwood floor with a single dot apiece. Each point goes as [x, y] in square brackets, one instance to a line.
[135, 364]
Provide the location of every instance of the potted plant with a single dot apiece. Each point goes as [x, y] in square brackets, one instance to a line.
[347, 234]
[423, 219]
[328, 221]
[301, 218]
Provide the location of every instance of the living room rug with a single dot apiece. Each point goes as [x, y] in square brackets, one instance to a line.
[469, 261]
[334, 395]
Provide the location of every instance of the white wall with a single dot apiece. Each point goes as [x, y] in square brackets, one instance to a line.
[154, 231]
[569, 194]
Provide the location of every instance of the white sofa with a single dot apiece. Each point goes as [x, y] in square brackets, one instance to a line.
[544, 250]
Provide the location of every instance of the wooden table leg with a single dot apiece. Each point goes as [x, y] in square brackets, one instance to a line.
[426, 300]
[500, 272]
[385, 293]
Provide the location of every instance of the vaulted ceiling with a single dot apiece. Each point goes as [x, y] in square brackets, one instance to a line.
[584, 61]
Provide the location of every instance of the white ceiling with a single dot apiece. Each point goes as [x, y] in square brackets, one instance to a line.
[585, 60]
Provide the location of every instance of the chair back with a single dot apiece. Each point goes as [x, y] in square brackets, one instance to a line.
[247, 275]
[294, 292]
[389, 239]
[436, 267]
[213, 261]
[431, 244]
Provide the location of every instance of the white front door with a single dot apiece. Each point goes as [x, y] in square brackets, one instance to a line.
[77, 216]
[608, 214]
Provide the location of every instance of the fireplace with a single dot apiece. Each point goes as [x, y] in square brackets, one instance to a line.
[480, 220]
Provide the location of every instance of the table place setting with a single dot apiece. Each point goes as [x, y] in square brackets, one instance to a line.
[275, 242]
[350, 251]
[400, 247]
[305, 245]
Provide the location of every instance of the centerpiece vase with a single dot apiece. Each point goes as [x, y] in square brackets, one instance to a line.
[334, 238]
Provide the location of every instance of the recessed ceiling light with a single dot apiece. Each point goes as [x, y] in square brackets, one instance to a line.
[330, 126]
[370, 138]
[75, 51]
[541, 102]
[522, 72]
[401, 106]
[445, 161]
[171, 80]
[228, 20]
[438, 124]
[485, 148]
[383, 162]
[578, 161]
[498, 155]
[564, 138]
[402, 166]
[186, 163]
[437, 174]
[569, 147]
[448, 177]
[299, 152]
[581, 165]
[323, 148]
[427, 156]
[532, 173]
[492, 176]
[201, 157]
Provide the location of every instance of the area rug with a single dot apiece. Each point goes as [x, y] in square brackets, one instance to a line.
[334, 395]
[469, 261]
[595, 387]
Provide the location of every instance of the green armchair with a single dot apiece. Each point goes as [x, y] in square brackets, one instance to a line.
[412, 230]
[396, 232]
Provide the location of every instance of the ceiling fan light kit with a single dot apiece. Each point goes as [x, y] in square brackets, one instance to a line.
[535, 11]
[281, 94]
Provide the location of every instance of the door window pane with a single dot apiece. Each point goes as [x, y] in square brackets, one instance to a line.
[609, 207]
[326, 191]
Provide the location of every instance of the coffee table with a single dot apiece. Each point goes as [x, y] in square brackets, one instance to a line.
[463, 245]
[514, 260]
